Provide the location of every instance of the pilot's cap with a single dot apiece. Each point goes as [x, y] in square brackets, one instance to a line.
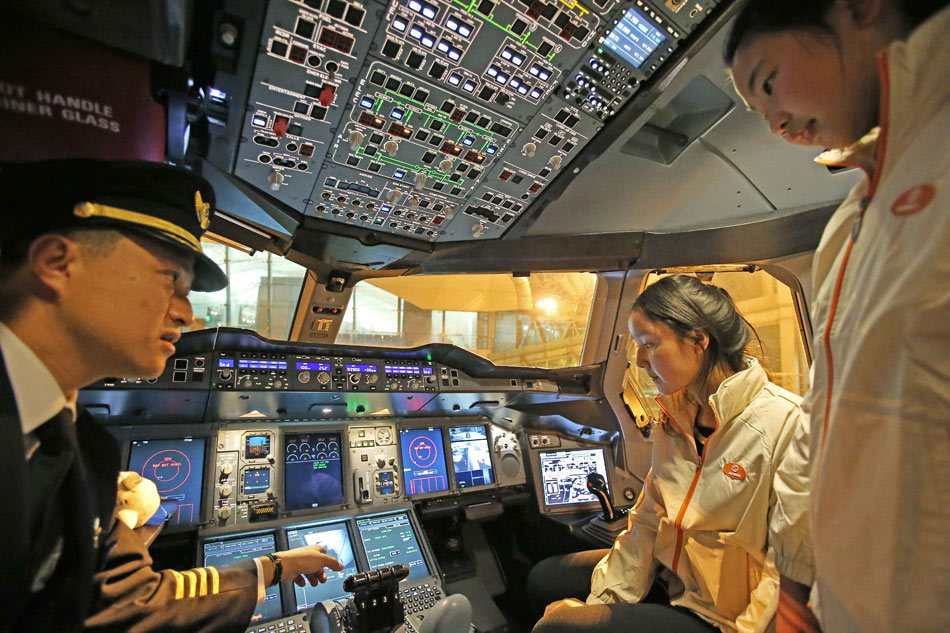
[165, 203]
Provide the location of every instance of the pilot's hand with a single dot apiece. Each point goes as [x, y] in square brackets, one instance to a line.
[561, 604]
[307, 562]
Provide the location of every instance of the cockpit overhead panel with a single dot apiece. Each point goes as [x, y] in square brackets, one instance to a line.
[438, 120]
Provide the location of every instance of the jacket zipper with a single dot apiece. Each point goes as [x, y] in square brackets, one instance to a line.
[865, 202]
[692, 486]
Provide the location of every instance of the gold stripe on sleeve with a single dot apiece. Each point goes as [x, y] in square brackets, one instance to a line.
[192, 582]
[179, 585]
[203, 581]
[215, 580]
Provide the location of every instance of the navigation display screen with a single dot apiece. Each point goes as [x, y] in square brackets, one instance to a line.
[390, 540]
[220, 553]
[634, 38]
[564, 475]
[336, 541]
[423, 461]
[471, 458]
[313, 470]
[176, 468]
[256, 481]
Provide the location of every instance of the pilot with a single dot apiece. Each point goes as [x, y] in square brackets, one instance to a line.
[725, 497]
[96, 263]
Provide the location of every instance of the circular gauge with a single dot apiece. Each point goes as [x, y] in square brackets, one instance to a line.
[322, 455]
[333, 455]
[305, 457]
[304, 447]
[333, 445]
[321, 446]
[291, 458]
[292, 449]
[383, 435]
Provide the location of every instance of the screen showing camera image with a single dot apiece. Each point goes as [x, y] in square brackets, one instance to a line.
[176, 468]
[423, 461]
[471, 458]
[564, 475]
[313, 470]
[221, 553]
[390, 540]
[335, 540]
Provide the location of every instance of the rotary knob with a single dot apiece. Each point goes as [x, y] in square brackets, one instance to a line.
[278, 384]
[356, 139]
[354, 379]
[478, 230]
[303, 377]
[371, 379]
[420, 181]
[529, 149]
[380, 461]
[556, 161]
[224, 513]
[323, 378]
[226, 470]
[391, 147]
[226, 490]
[226, 374]
[446, 166]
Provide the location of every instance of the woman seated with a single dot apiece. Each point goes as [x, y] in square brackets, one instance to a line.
[725, 500]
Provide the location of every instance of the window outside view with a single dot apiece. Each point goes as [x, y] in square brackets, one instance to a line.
[538, 321]
[262, 294]
[769, 306]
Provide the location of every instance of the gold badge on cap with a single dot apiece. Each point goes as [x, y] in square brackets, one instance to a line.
[204, 211]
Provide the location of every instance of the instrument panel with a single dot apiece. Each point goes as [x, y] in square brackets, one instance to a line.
[437, 120]
[255, 474]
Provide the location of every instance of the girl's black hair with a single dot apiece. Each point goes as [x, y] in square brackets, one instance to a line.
[774, 16]
[685, 304]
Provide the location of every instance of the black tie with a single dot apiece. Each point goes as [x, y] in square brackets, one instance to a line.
[49, 466]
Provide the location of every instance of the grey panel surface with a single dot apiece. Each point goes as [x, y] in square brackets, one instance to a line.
[735, 170]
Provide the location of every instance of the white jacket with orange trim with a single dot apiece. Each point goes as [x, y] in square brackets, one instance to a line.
[715, 521]
[880, 397]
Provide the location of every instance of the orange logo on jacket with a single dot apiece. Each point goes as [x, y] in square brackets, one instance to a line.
[734, 470]
[914, 200]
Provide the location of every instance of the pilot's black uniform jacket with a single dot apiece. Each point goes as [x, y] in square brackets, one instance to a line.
[105, 579]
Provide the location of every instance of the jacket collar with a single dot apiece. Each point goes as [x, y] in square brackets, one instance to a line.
[730, 400]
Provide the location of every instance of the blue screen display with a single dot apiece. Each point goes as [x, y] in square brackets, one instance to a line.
[176, 467]
[221, 553]
[634, 38]
[423, 461]
[313, 470]
[336, 541]
[400, 369]
[357, 369]
[225, 362]
[314, 366]
[390, 540]
[471, 458]
[256, 481]
[262, 364]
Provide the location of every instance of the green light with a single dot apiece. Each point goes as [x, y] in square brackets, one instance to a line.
[600, 51]
[429, 357]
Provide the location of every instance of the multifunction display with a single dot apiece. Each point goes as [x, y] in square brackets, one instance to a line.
[227, 552]
[176, 467]
[391, 540]
[634, 38]
[313, 470]
[257, 446]
[335, 540]
[471, 458]
[564, 475]
[423, 460]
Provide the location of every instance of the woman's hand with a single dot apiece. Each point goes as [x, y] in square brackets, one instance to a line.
[560, 604]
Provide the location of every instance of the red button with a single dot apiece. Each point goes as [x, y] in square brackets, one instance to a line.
[326, 95]
[280, 125]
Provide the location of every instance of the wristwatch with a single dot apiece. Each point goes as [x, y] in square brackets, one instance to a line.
[278, 568]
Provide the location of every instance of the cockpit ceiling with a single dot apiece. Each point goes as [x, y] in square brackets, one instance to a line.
[335, 131]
